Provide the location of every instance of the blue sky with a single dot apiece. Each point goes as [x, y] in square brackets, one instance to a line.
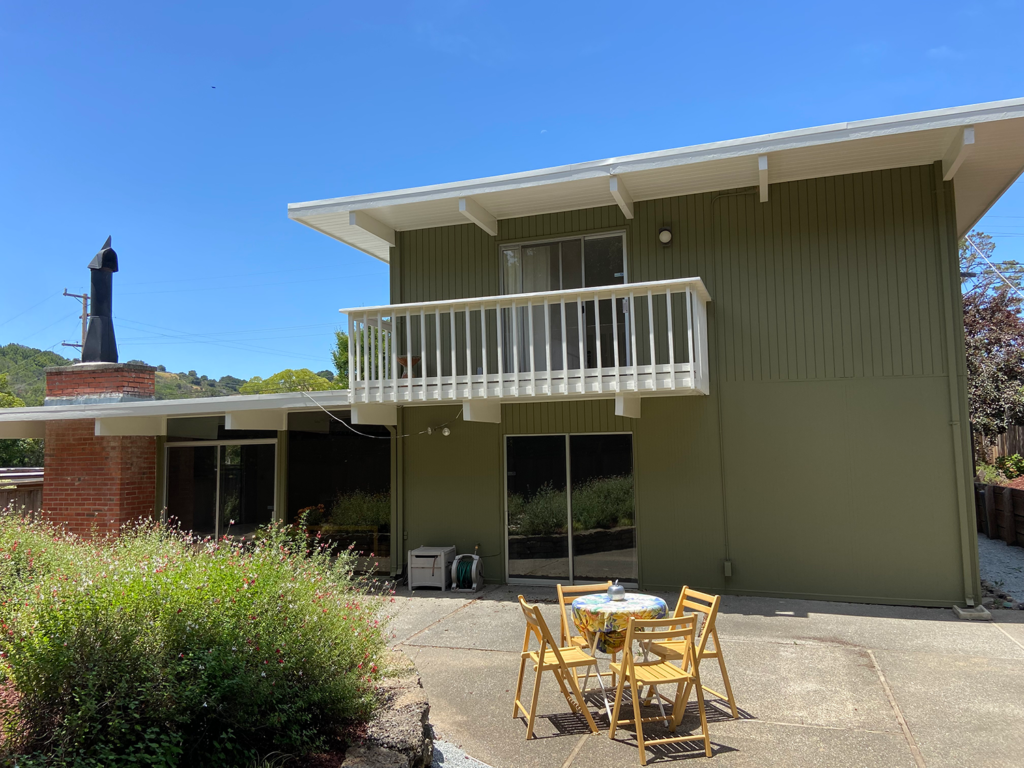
[109, 124]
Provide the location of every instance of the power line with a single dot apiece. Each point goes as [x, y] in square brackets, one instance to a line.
[1005, 280]
[15, 317]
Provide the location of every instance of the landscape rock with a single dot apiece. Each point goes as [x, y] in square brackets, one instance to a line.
[370, 756]
[400, 726]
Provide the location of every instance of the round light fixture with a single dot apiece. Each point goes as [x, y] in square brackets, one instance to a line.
[446, 431]
[665, 235]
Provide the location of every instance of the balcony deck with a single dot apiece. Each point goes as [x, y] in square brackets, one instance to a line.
[636, 339]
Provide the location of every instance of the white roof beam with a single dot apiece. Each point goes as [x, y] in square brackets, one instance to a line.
[621, 196]
[479, 215]
[762, 176]
[369, 224]
[487, 411]
[957, 152]
[380, 414]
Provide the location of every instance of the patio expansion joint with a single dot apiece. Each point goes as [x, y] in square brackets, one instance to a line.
[446, 616]
[1014, 639]
[911, 742]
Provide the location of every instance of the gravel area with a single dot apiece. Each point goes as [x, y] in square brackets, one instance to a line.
[1002, 565]
[447, 755]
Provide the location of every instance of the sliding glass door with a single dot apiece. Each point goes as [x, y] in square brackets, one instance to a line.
[570, 507]
[220, 489]
[580, 262]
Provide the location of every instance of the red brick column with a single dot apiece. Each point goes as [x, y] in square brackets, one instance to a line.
[97, 483]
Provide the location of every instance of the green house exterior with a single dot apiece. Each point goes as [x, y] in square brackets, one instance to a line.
[765, 393]
[831, 459]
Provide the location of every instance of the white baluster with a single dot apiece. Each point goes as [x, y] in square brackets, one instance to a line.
[408, 356]
[632, 340]
[469, 356]
[515, 351]
[455, 369]
[597, 339]
[650, 330]
[533, 356]
[547, 343]
[483, 343]
[565, 349]
[437, 350]
[581, 338]
[671, 340]
[689, 337]
[615, 342]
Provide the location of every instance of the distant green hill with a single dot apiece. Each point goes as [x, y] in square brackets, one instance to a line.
[25, 367]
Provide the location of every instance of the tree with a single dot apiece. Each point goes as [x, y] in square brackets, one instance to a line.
[288, 380]
[994, 336]
[339, 356]
[18, 452]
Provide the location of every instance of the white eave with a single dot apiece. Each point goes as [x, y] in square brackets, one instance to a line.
[983, 170]
[173, 409]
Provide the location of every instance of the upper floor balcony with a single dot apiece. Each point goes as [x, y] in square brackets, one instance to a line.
[625, 340]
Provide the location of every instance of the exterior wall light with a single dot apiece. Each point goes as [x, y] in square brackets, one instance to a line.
[665, 235]
[446, 431]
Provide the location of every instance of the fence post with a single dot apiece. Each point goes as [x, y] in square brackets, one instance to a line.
[990, 512]
[1009, 523]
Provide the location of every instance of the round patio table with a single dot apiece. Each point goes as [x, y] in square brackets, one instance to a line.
[603, 621]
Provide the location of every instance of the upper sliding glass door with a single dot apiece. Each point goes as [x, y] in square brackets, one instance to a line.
[214, 490]
[581, 262]
[585, 534]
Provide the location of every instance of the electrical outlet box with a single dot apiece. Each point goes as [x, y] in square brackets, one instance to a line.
[728, 568]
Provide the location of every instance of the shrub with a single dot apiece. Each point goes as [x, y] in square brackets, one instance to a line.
[361, 508]
[157, 649]
[1011, 466]
[990, 475]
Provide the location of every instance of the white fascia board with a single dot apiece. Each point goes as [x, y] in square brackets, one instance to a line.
[621, 196]
[479, 215]
[962, 144]
[198, 406]
[486, 411]
[367, 223]
[754, 145]
[762, 176]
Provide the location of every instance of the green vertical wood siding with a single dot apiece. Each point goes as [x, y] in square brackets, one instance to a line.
[820, 463]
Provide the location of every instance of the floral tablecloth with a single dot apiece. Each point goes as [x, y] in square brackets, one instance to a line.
[597, 614]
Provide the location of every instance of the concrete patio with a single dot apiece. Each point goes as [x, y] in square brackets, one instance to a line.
[818, 684]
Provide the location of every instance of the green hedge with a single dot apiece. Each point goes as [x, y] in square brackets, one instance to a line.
[156, 649]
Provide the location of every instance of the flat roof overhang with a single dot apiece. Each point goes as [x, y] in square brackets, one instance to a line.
[144, 417]
[981, 145]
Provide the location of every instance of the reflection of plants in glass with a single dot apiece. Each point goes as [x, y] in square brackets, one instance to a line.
[361, 508]
[539, 515]
[602, 503]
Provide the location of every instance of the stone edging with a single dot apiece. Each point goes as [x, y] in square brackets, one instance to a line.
[399, 734]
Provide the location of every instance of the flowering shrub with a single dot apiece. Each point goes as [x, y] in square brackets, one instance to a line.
[159, 649]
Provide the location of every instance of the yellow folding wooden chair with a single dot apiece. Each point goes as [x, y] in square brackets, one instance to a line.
[659, 671]
[567, 638]
[706, 605]
[549, 657]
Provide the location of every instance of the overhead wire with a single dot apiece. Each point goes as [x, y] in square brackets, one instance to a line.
[427, 431]
[978, 251]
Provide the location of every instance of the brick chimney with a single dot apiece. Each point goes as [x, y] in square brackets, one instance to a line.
[97, 483]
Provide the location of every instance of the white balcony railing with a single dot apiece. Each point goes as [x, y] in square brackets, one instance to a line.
[637, 338]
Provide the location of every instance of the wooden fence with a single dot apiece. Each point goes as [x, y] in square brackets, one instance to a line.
[21, 488]
[1000, 512]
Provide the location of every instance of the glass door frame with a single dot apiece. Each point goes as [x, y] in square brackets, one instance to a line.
[526, 581]
[217, 444]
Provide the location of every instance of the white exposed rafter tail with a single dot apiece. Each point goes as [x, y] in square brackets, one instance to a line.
[621, 195]
[762, 176]
[366, 222]
[479, 215]
[957, 152]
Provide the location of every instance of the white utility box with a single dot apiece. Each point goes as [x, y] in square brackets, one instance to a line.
[431, 567]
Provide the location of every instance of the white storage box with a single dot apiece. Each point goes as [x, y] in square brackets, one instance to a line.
[431, 567]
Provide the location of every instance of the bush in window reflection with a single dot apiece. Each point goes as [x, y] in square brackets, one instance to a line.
[357, 518]
[541, 514]
[603, 503]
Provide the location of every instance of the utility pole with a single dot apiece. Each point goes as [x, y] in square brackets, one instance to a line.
[85, 318]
